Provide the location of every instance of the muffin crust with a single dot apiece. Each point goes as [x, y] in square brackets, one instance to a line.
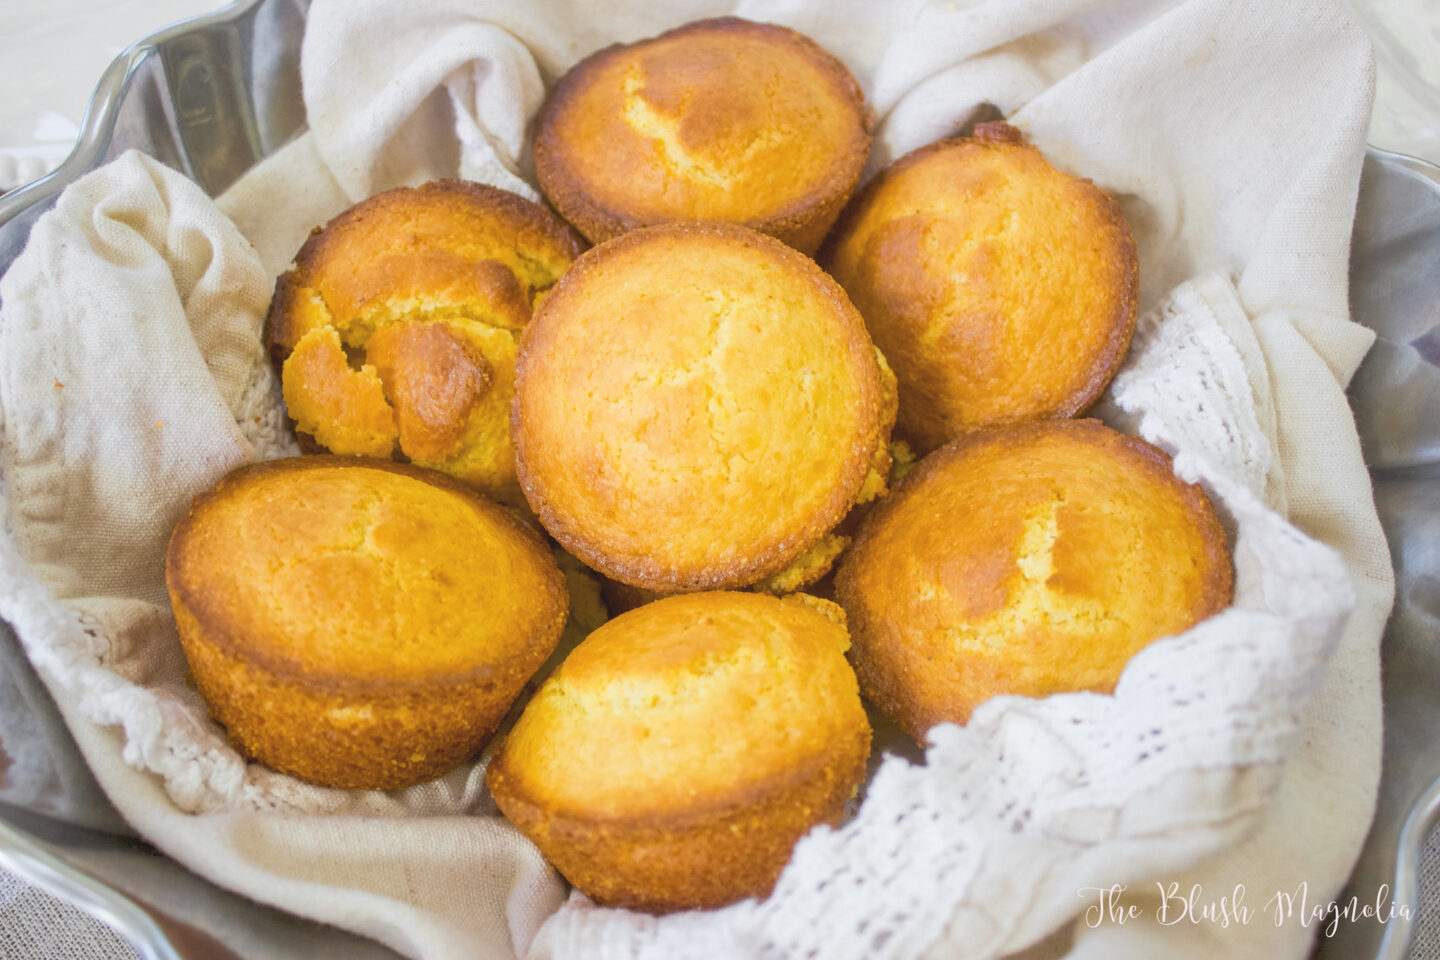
[1030, 559]
[680, 751]
[359, 623]
[718, 120]
[697, 405]
[999, 288]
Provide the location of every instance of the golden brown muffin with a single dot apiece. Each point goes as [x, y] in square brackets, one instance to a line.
[396, 331]
[680, 751]
[720, 120]
[697, 405]
[1030, 559]
[999, 288]
[359, 623]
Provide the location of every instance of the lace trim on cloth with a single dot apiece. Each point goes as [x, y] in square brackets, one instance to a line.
[1034, 798]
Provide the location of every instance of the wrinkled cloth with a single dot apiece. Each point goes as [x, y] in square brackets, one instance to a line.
[131, 378]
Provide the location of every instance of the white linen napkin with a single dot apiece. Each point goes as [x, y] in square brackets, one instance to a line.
[131, 377]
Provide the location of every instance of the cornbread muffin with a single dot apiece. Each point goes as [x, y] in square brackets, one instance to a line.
[680, 751]
[720, 120]
[395, 333]
[1000, 288]
[1029, 559]
[359, 623]
[696, 406]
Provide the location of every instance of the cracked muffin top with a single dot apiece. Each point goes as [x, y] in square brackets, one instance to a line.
[696, 406]
[1000, 288]
[347, 574]
[396, 331]
[722, 120]
[1030, 560]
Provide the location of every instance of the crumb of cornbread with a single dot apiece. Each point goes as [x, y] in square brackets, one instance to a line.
[397, 329]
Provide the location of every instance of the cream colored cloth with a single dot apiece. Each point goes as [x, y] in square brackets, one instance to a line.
[131, 377]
